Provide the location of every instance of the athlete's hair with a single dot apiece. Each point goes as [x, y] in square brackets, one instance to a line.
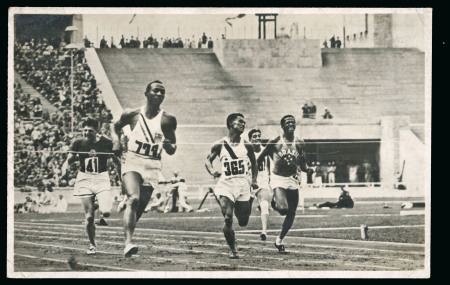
[250, 134]
[149, 86]
[90, 122]
[232, 117]
[285, 117]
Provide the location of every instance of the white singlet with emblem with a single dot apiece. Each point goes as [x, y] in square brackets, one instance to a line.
[145, 140]
[144, 147]
[234, 167]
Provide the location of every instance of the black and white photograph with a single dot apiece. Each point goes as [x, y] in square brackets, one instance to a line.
[219, 142]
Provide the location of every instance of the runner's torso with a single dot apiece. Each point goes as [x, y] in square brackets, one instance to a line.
[263, 168]
[235, 164]
[88, 152]
[285, 158]
[145, 139]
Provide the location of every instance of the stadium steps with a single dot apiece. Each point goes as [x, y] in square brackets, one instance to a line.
[355, 85]
[28, 89]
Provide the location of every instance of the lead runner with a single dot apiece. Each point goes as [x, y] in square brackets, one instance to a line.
[92, 179]
[152, 130]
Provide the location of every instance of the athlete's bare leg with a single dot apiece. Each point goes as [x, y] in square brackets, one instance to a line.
[242, 212]
[263, 199]
[286, 204]
[227, 207]
[144, 198]
[132, 182]
[88, 205]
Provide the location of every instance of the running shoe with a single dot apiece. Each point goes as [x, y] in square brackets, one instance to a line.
[234, 255]
[92, 250]
[280, 248]
[263, 237]
[130, 250]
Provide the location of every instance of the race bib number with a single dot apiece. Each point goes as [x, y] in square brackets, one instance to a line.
[148, 149]
[234, 167]
[91, 164]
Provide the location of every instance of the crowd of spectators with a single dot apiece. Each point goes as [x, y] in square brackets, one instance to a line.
[343, 172]
[351, 40]
[42, 137]
[153, 42]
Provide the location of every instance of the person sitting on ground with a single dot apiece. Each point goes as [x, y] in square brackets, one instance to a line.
[344, 201]
[327, 114]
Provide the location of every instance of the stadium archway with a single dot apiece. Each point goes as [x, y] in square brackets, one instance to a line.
[355, 160]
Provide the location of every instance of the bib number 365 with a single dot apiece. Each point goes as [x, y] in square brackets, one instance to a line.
[234, 167]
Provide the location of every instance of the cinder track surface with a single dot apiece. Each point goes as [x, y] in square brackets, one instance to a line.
[319, 240]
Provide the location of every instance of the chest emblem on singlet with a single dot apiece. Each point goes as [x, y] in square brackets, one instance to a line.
[92, 152]
[288, 155]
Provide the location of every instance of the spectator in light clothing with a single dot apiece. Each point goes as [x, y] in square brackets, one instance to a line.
[61, 205]
[331, 172]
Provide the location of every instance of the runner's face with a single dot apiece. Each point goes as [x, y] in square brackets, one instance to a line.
[256, 138]
[156, 94]
[89, 133]
[238, 124]
[289, 125]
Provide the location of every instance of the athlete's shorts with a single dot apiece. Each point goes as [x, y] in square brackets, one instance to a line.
[236, 189]
[88, 184]
[98, 185]
[289, 183]
[149, 169]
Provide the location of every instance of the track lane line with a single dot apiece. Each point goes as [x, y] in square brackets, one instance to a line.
[243, 234]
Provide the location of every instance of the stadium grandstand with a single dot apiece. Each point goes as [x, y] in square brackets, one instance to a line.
[367, 140]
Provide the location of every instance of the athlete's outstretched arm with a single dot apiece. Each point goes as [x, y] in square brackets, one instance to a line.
[116, 131]
[168, 127]
[71, 157]
[252, 158]
[215, 151]
[268, 150]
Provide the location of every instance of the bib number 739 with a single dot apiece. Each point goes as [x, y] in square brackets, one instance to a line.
[147, 149]
[234, 167]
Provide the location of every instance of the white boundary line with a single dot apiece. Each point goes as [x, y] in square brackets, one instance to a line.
[334, 229]
[243, 234]
[106, 234]
[214, 253]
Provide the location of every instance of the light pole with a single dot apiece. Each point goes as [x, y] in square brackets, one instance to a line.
[71, 47]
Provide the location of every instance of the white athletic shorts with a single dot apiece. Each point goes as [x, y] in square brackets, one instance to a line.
[289, 183]
[98, 185]
[89, 184]
[236, 188]
[149, 169]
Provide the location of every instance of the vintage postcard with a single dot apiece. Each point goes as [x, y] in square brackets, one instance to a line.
[219, 142]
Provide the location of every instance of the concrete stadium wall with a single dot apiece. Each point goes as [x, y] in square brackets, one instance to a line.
[279, 53]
